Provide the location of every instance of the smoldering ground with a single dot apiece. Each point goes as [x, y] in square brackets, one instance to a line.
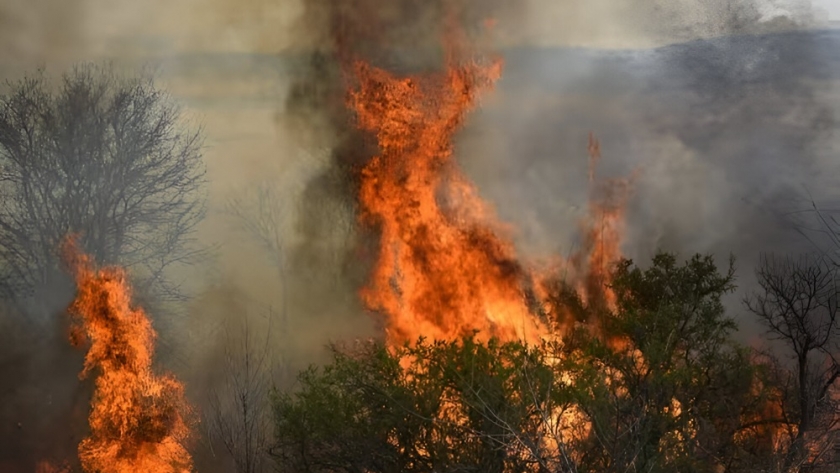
[727, 108]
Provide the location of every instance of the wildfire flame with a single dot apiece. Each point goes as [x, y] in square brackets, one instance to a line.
[446, 266]
[443, 271]
[137, 419]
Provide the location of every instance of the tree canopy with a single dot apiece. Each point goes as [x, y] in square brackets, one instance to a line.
[655, 384]
[102, 156]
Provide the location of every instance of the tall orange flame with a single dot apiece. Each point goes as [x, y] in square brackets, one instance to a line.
[442, 270]
[446, 267]
[137, 418]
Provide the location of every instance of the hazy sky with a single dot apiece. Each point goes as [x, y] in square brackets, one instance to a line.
[831, 6]
[238, 103]
[54, 30]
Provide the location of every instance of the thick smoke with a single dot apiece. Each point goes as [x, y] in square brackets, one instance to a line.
[402, 36]
[33, 32]
[727, 127]
[726, 107]
[730, 135]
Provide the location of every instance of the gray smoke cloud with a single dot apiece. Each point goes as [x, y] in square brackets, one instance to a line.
[401, 36]
[728, 119]
[730, 135]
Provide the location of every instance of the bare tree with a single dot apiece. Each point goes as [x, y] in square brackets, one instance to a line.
[102, 156]
[240, 411]
[798, 304]
[105, 157]
[263, 216]
[307, 238]
[280, 223]
[817, 223]
[828, 229]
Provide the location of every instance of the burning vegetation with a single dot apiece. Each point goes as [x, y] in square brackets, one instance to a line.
[489, 362]
[442, 270]
[492, 363]
[138, 420]
[446, 266]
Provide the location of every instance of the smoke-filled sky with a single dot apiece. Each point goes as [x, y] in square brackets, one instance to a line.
[831, 7]
[725, 129]
[55, 30]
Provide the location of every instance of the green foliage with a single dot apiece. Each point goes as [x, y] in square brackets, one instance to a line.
[660, 380]
[654, 385]
[460, 406]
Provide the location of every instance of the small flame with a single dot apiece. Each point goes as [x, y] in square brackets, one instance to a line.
[137, 418]
[603, 230]
[47, 467]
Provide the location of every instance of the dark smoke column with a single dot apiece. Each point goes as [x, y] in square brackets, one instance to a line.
[400, 36]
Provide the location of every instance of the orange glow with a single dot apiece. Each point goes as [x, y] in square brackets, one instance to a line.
[47, 467]
[137, 418]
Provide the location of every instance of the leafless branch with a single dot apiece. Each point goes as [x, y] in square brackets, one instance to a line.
[101, 156]
[239, 411]
[798, 303]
